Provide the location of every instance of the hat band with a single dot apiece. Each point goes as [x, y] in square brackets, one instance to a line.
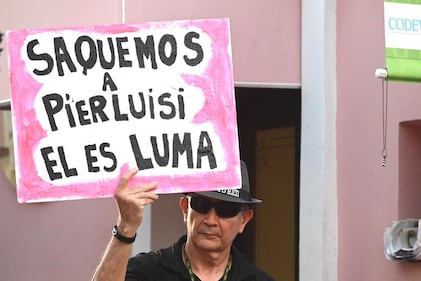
[237, 193]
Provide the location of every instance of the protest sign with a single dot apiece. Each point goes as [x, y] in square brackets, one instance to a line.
[90, 103]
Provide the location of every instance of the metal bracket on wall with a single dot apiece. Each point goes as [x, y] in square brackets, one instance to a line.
[5, 104]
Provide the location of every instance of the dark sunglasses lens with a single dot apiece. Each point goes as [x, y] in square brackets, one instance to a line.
[227, 210]
[223, 209]
[200, 205]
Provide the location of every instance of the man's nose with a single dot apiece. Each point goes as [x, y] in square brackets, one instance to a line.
[211, 216]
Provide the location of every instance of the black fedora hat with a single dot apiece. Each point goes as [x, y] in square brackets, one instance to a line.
[241, 195]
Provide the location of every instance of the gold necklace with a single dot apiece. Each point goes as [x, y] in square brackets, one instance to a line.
[191, 274]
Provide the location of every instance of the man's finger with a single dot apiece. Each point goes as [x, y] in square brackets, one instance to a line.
[144, 188]
[124, 181]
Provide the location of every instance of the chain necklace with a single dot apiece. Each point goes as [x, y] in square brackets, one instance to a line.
[191, 274]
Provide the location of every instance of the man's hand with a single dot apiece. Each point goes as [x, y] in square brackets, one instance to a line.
[131, 203]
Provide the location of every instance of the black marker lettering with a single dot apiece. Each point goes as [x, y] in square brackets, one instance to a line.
[53, 103]
[97, 104]
[164, 159]
[109, 155]
[82, 113]
[170, 59]
[68, 172]
[163, 100]
[205, 151]
[135, 113]
[180, 98]
[104, 63]
[188, 42]
[108, 81]
[91, 159]
[146, 50]
[49, 164]
[179, 147]
[141, 162]
[117, 114]
[62, 55]
[39, 57]
[70, 116]
[91, 60]
[122, 52]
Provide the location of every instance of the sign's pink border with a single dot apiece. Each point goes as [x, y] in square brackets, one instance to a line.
[28, 132]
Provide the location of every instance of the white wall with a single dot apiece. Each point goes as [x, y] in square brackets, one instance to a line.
[318, 183]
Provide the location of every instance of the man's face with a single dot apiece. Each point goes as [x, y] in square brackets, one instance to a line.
[209, 231]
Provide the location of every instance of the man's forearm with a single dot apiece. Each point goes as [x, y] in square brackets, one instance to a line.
[114, 262]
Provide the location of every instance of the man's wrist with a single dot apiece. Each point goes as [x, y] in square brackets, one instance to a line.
[121, 237]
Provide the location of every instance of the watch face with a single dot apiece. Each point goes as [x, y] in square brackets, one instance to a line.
[114, 231]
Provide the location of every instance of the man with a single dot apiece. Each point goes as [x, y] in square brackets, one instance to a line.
[213, 220]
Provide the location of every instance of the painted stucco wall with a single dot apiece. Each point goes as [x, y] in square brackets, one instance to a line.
[52, 241]
[265, 35]
[61, 240]
[368, 194]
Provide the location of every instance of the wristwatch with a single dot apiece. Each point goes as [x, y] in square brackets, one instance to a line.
[121, 237]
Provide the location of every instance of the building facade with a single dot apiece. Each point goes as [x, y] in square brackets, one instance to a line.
[323, 51]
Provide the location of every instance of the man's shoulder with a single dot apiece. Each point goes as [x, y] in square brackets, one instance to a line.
[164, 253]
[154, 258]
[156, 265]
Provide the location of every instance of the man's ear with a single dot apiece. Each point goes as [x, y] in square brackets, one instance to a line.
[247, 215]
[184, 206]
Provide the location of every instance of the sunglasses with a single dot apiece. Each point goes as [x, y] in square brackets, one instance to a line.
[223, 209]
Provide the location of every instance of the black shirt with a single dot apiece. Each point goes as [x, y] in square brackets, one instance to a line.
[167, 264]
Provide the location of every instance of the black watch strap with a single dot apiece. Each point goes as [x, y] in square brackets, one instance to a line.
[121, 237]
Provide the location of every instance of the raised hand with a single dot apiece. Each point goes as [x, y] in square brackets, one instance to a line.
[131, 203]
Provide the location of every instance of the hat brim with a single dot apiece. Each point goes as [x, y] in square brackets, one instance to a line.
[224, 197]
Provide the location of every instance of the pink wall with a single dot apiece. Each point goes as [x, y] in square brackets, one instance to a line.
[63, 240]
[19, 14]
[52, 241]
[265, 35]
[368, 194]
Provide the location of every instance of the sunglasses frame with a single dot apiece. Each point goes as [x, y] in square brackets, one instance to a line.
[219, 206]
